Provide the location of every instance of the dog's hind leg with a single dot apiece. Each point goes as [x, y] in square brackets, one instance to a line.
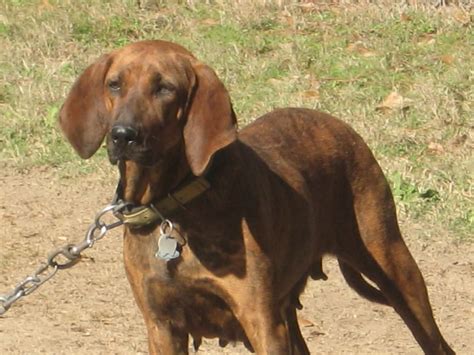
[355, 280]
[377, 250]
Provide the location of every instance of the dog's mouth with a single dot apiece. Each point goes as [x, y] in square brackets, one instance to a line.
[143, 157]
[135, 151]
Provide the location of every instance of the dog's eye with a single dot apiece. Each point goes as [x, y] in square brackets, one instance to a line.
[114, 85]
[164, 90]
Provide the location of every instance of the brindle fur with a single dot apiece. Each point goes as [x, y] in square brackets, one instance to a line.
[286, 190]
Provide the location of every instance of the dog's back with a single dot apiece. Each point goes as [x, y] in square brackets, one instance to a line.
[324, 161]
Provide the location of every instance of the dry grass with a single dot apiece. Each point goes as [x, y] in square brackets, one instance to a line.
[335, 56]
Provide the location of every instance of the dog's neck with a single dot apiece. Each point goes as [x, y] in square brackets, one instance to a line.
[143, 185]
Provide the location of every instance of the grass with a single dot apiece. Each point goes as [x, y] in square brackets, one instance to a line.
[343, 59]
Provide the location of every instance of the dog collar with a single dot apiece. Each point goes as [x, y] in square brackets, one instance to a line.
[141, 216]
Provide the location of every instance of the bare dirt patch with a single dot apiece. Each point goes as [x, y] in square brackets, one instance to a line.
[89, 309]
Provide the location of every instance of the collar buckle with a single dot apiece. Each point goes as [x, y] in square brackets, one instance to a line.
[141, 216]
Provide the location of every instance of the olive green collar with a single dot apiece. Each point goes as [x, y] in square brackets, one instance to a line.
[141, 216]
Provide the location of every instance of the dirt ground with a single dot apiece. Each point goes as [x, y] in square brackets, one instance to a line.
[89, 309]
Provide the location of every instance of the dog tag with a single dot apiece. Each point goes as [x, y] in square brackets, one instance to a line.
[167, 245]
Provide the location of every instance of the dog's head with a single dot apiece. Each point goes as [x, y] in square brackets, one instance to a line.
[146, 99]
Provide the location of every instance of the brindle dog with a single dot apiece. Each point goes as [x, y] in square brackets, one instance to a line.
[282, 192]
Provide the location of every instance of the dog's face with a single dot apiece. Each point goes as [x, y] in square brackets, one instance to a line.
[146, 93]
[147, 99]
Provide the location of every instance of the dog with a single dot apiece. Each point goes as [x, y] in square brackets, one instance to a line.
[226, 226]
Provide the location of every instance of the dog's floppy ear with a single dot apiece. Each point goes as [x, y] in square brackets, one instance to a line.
[211, 124]
[83, 117]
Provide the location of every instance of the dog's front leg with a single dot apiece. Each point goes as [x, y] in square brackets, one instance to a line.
[163, 339]
[264, 326]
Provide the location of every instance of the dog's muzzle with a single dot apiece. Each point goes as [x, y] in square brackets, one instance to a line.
[123, 142]
[123, 136]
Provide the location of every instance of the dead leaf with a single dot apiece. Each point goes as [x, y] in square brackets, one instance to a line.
[209, 22]
[287, 47]
[394, 101]
[275, 82]
[315, 333]
[45, 6]
[287, 19]
[447, 59]
[30, 234]
[352, 47]
[405, 17]
[364, 52]
[305, 323]
[307, 7]
[463, 17]
[311, 94]
[460, 140]
[358, 47]
[426, 39]
[435, 148]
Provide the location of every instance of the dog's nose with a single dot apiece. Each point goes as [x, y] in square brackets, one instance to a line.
[122, 135]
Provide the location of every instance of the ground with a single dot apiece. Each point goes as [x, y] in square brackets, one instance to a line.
[89, 308]
[400, 72]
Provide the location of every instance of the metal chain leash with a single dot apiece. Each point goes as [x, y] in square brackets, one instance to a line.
[64, 257]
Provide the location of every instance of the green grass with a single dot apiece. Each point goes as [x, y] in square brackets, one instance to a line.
[343, 59]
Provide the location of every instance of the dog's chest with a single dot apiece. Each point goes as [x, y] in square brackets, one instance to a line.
[184, 290]
[200, 312]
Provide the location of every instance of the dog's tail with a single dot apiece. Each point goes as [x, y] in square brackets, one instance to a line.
[355, 280]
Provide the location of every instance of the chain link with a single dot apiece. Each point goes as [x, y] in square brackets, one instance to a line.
[65, 256]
